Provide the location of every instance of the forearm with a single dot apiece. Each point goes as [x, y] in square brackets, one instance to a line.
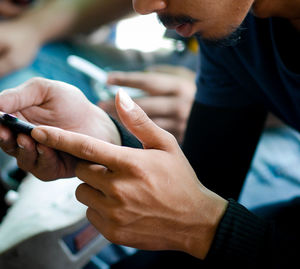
[220, 143]
[53, 19]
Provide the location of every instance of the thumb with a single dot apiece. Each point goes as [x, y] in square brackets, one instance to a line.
[140, 125]
[31, 93]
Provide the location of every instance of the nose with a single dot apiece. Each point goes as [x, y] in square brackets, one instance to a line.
[144, 7]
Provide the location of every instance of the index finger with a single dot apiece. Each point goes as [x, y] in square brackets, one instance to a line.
[81, 146]
[152, 83]
[158, 106]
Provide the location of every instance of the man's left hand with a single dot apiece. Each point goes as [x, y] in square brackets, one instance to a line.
[146, 198]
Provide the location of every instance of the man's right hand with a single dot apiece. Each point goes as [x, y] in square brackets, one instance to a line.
[168, 100]
[45, 102]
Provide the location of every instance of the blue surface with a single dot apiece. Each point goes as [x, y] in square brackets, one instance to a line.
[275, 174]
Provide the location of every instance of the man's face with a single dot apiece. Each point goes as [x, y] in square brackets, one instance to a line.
[211, 19]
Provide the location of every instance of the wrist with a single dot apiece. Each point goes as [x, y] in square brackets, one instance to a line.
[108, 130]
[202, 235]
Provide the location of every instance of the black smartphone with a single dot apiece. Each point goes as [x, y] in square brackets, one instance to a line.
[15, 124]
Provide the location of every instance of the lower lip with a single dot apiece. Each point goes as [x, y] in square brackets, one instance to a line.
[185, 29]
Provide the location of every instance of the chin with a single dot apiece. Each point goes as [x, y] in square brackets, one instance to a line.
[224, 38]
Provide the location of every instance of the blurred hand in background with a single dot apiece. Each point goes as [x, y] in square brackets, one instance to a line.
[169, 94]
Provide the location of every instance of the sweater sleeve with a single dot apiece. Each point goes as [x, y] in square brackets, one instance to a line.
[240, 238]
[127, 139]
[244, 240]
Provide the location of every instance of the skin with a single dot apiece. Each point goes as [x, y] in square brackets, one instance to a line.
[168, 98]
[216, 20]
[135, 197]
[59, 18]
[128, 191]
[12, 56]
[132, 198]
[9, 9]
[213, 19]
[41, 101]
[54, 19]
[47, 21]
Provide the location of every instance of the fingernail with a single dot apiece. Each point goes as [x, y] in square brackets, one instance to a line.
[125, 100]
[20, 145]
[39, 135]
[39, 150]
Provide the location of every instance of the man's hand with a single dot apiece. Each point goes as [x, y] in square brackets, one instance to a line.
[46, 102]
[168, 99]
[145, 198]
[19, 44]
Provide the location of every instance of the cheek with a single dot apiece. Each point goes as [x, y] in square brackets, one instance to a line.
[239, 10]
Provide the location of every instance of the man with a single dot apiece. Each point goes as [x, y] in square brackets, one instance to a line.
[152, 198]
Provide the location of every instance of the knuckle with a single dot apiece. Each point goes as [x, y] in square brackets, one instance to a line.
[79, 191]
[90, 214]
[116, 216]
[116, 192]
[56, 140]
[35, 80]
[139, 119]
[39, 82]
[79, 172]
[87, 148]
[137, 168]
[170, 138]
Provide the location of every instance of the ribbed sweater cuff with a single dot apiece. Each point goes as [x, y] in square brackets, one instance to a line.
[239, 238]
